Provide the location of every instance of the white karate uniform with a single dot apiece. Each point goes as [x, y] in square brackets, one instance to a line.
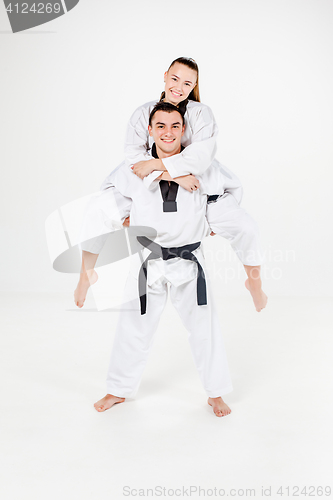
[134, 334]
[229, 219]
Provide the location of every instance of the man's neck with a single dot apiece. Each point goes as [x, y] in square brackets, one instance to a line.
[161, 154]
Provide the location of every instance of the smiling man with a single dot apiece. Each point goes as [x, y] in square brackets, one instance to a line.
[177, 213]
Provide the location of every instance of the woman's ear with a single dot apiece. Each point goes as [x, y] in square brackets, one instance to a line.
[165, 76]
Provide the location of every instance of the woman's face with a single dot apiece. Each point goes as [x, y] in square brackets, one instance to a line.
[179, 81]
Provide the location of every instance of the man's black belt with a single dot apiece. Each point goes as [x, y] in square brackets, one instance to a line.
[157, 252]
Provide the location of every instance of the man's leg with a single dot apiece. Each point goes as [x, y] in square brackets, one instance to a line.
[206, 343]
[132, 343]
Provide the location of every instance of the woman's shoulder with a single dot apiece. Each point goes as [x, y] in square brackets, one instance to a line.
[196, 105]
[143, 110]
[196, 109]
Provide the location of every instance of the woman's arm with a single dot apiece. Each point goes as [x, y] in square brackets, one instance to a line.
[188, 182]
[137, 137]
[196, 157]
[201, 131]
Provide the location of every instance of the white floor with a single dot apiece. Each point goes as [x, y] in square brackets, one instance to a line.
[56, 446]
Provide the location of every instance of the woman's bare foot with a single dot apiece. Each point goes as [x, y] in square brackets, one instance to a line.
[108, 401]
[220, 408]
[86, 280]
[258, 295]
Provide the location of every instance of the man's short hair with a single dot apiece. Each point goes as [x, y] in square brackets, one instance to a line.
[164, 106]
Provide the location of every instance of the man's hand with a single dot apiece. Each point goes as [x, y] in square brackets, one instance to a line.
[188, 182]
[144, 168]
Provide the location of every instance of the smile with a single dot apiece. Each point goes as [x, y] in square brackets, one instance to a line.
[168, 141]
[176, 94]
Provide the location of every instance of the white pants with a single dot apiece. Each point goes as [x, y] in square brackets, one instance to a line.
[135, 332]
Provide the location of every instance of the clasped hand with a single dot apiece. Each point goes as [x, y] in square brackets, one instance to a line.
[143, 168]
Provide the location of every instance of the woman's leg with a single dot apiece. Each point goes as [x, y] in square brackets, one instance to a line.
[88, 277]
[101, 215]
[227, 219]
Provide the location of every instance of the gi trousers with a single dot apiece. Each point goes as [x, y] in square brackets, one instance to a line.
[135, 333]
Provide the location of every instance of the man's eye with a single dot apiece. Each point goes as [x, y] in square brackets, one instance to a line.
[175, 79]
[160, 126]
[176, 126]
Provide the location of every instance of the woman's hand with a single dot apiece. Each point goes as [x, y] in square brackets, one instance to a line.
[188, 182]
[144, 168]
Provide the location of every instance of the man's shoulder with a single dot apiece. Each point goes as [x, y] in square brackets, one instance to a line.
[125, 180]
[211, 180]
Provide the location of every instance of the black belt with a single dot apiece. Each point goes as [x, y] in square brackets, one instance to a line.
[157, 252]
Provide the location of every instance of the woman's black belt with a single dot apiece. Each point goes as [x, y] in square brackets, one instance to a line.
[158, 252]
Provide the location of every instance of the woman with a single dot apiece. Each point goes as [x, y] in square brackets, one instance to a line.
[226, 217]
[181, 89]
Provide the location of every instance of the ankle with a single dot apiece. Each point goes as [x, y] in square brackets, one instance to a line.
[254, 282]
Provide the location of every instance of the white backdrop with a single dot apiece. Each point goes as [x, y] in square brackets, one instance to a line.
[69, 87]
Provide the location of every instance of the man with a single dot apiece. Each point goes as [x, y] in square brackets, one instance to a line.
[178, 216]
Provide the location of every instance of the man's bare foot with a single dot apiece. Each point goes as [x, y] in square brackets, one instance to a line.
[108, 401]
[258, 295]
[86, 280]
[220, 408]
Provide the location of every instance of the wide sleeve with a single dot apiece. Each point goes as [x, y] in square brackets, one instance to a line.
[198, 155]
[137, 137]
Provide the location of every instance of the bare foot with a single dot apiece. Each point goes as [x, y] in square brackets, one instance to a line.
[86, 280]
[219, 406]
[258, 295]
[108, 401]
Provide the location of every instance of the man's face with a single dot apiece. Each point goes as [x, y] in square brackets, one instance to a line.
[167, 130]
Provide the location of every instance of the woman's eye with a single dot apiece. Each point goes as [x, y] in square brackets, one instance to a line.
[174, 79]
